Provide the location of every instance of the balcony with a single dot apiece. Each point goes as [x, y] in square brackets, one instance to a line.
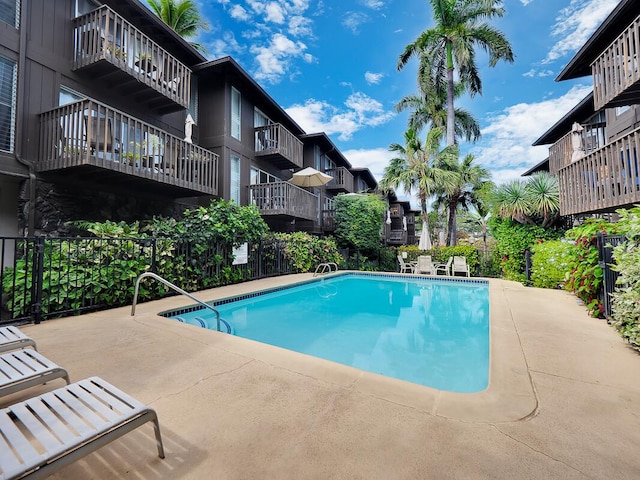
[616, 74]
[603, 180]
[342, 180]
[97, 143]
[561, 153]
[397, 237]
[113, 50]
[279, 146]
[284, 199]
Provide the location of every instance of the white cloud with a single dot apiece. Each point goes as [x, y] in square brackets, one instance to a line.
[575, 24]
[353, 20]
[274, 13]
[300, 26]
[226, 45]
[319, 116]
[506, 148]
[375, 159]
[274, 59]
[238, 12]
[526, 2]
[374, 4]
[538, 73]
[373, 78]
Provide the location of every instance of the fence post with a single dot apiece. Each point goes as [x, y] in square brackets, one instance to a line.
[153, 255]
[527, 264]
[37, 274]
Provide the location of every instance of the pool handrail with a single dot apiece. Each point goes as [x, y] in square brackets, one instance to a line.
[322, 268]
[174, 287]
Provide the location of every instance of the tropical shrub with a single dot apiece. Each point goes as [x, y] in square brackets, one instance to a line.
[550, 263]
[585, 274]
[305, 251]
[625, 302]
[359, 221]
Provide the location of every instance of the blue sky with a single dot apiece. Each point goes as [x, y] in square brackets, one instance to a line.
[332, 65]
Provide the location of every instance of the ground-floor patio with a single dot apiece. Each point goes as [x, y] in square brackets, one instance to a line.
[563, 400]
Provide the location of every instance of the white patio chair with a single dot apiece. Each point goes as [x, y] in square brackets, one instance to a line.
[11, 338]
[405, 267]
[444, 267]
[425, 265]
[460, 266]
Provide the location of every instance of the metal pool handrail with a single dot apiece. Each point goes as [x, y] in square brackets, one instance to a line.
[174, 287]
[322, 268]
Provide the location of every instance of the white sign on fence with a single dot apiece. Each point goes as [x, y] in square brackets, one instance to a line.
[241, 254]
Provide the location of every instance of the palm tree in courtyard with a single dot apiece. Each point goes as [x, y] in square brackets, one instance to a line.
[461, 190]
[416, 166]
[182, 16]
[428, 107]
[460, 27]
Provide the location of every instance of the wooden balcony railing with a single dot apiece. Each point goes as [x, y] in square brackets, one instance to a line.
[91, 133]
[615, 72]
[603, 180]
[342, 179]
[592, 137]
[397, 237]
[103, 35]
[279, 146]
[284, 198]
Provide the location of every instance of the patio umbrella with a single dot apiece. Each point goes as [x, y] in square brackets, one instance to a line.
[310, 177]
[388, 220]
[425, 241]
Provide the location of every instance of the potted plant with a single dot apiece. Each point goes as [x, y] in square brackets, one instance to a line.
[145, 62]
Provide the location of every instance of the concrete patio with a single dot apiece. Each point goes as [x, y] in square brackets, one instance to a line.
[563, 400]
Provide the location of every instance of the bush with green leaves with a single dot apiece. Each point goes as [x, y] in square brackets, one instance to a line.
[551, 263]
[585, 273]
[305, 251]
[513, 239]
[625, 302]
[359, 221]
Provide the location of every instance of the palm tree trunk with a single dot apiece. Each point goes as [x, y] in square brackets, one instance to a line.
[423, 210]
[452, 230]
[451, 114]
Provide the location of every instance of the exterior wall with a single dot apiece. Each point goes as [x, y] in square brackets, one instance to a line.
[45, 67]
[623, 123]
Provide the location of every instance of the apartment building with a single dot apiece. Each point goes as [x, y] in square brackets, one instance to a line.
[106, 113]
[594, 147]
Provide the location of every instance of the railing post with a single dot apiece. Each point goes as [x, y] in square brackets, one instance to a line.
[37, 274]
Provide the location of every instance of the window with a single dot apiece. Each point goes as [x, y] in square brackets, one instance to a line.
[621, 110]
[85, 6]
[10, 12]
[260, 176]
[8, 77]
[68, 96]
[193, 100]
[317, 158]
[236, 119]
[235, 179]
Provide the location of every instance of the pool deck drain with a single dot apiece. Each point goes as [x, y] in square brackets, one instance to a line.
[563, 399]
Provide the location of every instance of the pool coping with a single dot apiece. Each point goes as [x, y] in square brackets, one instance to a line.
[510, 395]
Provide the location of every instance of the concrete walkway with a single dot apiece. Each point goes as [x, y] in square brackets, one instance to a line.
[564, 400]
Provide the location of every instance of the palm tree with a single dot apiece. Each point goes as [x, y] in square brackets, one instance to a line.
[415, 167]
[462, 189]
[535, 201]
[182, 16]
[429, 107]
[459, 29]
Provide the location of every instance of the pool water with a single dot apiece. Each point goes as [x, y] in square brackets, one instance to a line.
[430, 332]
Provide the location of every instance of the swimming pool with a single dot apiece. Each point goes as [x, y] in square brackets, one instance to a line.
[433, 332]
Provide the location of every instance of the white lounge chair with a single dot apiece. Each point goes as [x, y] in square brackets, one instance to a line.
[45, 433]
[460, 266]
[405, 267]
[11, 338]
[26, 368]
[425, 265]
[444, 267]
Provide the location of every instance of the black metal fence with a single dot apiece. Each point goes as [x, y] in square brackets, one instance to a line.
[51, 277]
[605, 257]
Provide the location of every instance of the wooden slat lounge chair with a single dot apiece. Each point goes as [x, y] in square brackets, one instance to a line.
[26, 368]
[11, 338]
[45, 433]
